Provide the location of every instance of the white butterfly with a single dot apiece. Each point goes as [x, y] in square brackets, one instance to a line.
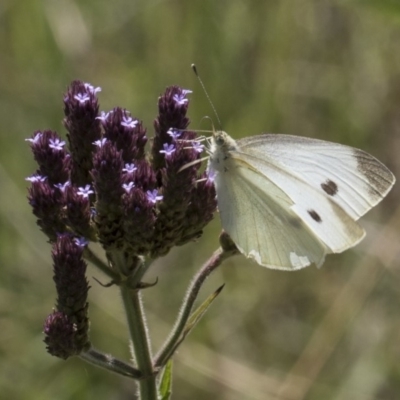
[287, 201]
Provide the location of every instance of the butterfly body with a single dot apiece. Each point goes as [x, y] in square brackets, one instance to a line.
[287, 201]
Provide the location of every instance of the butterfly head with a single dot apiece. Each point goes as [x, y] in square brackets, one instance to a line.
[223, 142]
[222, 145]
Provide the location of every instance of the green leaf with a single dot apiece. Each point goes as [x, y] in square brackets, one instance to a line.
[196, 317]
[165, 385]
[200, 311]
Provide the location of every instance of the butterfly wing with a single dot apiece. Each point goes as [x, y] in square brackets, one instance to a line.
[258, 216]
[352, 178]
[327, 221]
[286, 201]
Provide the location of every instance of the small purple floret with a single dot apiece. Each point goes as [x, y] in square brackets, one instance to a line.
[81, 242]
[153, 197]
[36, 178]
[103, 116]
[62, 186]
[85, 191]
[128, 186]
[198, 147]
[100, 142]
[35, 139]
[91, 88]
[168, 149]
[82, 98]
[129, 122]
[129, 168]
[174, 133]
[56, 144]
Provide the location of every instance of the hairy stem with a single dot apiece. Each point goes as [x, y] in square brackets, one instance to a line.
[214, 261]
[110, 363]
[95, 260]
[140, 341]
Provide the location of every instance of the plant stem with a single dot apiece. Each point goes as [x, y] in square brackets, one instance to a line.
[169, 346]
[95, 260]
[140, 340]
[110, 363]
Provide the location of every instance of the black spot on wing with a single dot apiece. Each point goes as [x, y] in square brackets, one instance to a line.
[329, 187]
[314, 215]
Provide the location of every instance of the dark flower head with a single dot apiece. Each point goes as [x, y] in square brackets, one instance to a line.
[201, 208]
[126, 132]
[69, 275]
[102, 186]
[143, 176]
[139, 220]
[171, 118]
[81, 109]
[47, 203]
[67, 328]
[77, 211]
[60, 335]
[50, 153]
[107, 178]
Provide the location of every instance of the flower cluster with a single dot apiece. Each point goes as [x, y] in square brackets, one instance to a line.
[101, 185]
[67, 328]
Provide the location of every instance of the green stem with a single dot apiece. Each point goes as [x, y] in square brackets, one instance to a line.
[169, 346]
[110, 363]
[137, 275]
[140, 340]
[95, 260]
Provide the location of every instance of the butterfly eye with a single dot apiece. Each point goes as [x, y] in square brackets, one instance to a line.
[219, 138]
[220, 141]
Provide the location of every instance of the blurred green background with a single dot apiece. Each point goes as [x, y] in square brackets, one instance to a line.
[319, 68]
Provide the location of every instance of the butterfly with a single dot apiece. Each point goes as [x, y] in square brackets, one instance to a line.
[288, 201]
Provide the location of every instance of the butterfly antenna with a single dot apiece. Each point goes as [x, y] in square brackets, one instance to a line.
[194, 68]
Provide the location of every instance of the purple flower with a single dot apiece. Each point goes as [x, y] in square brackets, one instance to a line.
[92, 89]
[153, 197]
[100, 142]
[56, 144]
[82, 98]
[81, 242]
[85, 191]
[168, 149]
[103, 187]
[103, 116]
[35, 139]
[198, 147]
[62, 186]
[72, 290]
[174, 133]
[181, 97]
[129, 168]
[128, 186]
[36, 178]
[60, 332]
[129, 122]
